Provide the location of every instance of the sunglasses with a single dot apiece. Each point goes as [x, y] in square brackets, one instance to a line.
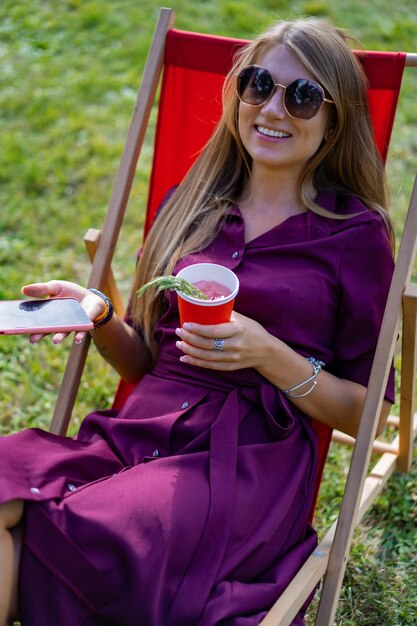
[302, 97]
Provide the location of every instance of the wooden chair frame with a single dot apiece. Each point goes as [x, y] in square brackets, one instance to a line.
[329, 558]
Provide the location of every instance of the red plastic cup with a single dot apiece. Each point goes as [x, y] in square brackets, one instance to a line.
[215, 311]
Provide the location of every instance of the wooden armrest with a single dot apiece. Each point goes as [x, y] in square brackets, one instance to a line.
[91, 240]
[380, 447]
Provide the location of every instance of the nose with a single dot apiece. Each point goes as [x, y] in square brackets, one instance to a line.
[275, 107]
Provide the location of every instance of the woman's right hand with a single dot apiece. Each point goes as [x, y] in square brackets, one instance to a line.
[92, 304]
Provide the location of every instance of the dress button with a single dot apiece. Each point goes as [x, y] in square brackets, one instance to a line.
[156, 453]
[71, 487]
[185, 405]
[35, 490]
[235, 254]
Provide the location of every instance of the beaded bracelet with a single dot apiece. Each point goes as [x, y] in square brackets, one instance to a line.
[317, 365]
[107, 314]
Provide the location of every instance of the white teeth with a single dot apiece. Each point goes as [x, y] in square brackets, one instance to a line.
[271, 133]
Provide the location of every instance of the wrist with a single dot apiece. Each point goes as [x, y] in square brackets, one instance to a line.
[272, 352]
[106, 315]
[306, 386]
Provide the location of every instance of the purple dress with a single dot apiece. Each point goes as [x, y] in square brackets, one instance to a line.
[189, 507]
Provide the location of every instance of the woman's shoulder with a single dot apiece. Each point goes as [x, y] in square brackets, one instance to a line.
[344, 204]
[350, 213]
[357, 230]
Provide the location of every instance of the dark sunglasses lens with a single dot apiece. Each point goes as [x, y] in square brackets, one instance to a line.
[303, 98]
[254, 85]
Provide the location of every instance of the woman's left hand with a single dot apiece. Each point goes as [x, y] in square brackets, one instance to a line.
[237, 344]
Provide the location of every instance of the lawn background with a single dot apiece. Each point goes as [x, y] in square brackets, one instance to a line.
[69, 75]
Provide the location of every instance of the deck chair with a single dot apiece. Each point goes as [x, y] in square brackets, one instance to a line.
[203, 59]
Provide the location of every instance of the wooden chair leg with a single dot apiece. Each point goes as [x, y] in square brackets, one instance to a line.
[91, 240]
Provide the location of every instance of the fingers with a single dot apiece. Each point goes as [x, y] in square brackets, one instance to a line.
[208, 341]
[36, 337]
[79, 337]
[237, 344]
[55, 288]
[213, 331]
[200, 351]
[208, 359]
[38, 290]
[210, 331]
[203, 342]
[205, 353]
[92, 304]
[57, 338]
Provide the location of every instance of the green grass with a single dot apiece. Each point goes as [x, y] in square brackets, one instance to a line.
[69, 74]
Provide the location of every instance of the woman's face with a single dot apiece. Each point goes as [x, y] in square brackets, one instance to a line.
[273, 139]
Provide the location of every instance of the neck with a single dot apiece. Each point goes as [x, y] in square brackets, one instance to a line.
[279, 193]
[267, 202]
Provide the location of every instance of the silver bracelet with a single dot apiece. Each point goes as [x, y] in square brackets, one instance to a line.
[317, 365]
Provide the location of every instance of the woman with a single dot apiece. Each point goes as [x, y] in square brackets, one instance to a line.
[191, 505]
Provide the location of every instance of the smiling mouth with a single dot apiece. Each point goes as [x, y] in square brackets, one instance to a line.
[268, 132]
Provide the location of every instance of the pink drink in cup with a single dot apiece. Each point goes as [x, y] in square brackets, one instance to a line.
[212, 279]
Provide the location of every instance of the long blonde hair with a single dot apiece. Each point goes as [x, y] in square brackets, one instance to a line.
[347, 162]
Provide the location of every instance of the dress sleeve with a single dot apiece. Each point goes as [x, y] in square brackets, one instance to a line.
[365, 274]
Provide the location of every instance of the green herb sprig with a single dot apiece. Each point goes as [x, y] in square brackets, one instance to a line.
[173, 283]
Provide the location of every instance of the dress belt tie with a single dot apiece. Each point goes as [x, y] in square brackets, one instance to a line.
[240, 395]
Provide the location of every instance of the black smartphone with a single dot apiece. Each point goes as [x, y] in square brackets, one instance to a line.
[48, 315]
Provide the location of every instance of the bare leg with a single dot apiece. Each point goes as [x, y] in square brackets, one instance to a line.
[17, 533]
[10, 516]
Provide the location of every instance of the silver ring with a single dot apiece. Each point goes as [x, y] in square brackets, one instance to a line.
[218, 344]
